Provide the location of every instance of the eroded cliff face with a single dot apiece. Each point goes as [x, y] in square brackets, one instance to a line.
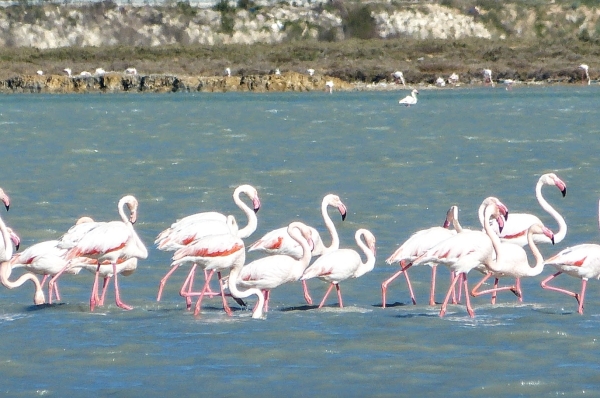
[114, 82]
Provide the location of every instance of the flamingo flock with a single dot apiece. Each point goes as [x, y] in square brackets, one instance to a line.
[214, 242]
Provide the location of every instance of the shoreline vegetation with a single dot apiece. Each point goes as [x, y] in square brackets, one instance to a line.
[354, 44]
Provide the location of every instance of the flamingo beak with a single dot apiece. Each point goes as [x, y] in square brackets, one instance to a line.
[446, 224]
[256, 204]
[342, 210]
[500, 221]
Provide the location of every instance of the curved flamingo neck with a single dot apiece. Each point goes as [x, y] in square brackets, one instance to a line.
[296, 233]
[496, 243]
[121, 207]
[562, 225]
[369, 264]
[335, 239]
[6, 270]
[234, 274]
[8, 250]
[539, 259]
[252, 220]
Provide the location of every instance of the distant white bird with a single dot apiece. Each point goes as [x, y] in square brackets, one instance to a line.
[68, 71]
[228, 72]
[311, 72]
[40, 72]
[509, 83]
[277, 72]
[410, 99]
[440, 82]
[85, 74]
[99, 72]
[329, 86]
[453, 79]
[585, 70]
[487, 77]
[131, 71]
[399, 77]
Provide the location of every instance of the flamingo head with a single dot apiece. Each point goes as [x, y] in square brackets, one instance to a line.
[83, 220]
[4, 198]
[451, 215]
[552, 179]
[335, 201]
[540, 229]
[252, 194]
[370, 240]
[14, 237]
[132, 205]
[305, 231]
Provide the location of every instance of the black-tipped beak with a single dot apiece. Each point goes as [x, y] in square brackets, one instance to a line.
[17, 246]
[500, 228]
[7, 206]
[552, 239]
[343, 216]
[564, 192]
[256, 209]
[506, 216]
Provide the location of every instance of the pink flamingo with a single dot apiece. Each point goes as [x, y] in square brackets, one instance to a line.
[511, 260]
[181, 232]
[339, 265]
[218, 253]
[581, 261]
[269, 272]
[111, 241]
[6, 251]
[416, 245]
[464, 252]
[5, 199]
[279, 241]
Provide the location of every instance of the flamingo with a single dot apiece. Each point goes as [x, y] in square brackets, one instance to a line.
[453, 79]
[515, 229]
[585, 70]
[311, 72]
[410, 99]
[6, 251]
[399, 77]
[85, 74]
[440, 82]
[509, 83]
[269, 272]
[5, 199]
[339, 265]
[329, 86]
[464, 252]
[68, 72]
[280, 242]
[131, 71]
[487, 77]
[181, 231]
[416, 245]
[228, 72]
[511, 260]
[581, 261]
[99, 72]
[111, 241]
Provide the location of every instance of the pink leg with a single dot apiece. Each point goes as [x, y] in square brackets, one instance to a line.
[53, 281]
[462, 278]
[306, 294]
[432, 291]
[494, 290]
[475, 291]
[225, 306]
[49, 291]
[204, 289]
[94, 296]
[385, 284]
[118, 301]
[326, 294]
[564, 291]
[339, 293]
[186, 293]
[104, 289]
[519, 292]
[467, 299]
[452, 276]
[450, 291]
[210, 292]
[267, 297]
[163, 281]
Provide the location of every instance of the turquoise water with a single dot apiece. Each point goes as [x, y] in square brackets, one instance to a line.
[397, 170]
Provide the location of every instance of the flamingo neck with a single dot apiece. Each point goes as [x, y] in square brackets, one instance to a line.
[121, 207]
[367, 266]
[296, 234]
[233, 289]
[539, 259]
[252, 220]
[496, 243]
[335, 239]
[562, 225]
[7, 253]
[6, 270]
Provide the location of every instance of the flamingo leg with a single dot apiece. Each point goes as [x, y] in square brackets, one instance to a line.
[204, 289]
[267, 297]
[454, 300]
[94, 296]
[545, 285]
[582, 295]
[339, 293]
[494, 291]
[163, 281]
[519, 292]
[450, 291]
[461, 276]
[210, 292]
[104, 289]
[118, 301]
[225, 305]
[432, 291]
[306, 294]
[475, 291]
[187, 294]
[385, 284]
[53, 281]
[326, 294]
[467, 299]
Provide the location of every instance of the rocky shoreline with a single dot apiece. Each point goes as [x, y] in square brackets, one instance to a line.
[115, 82]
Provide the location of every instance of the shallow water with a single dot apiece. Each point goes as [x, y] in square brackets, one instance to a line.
[397, 170]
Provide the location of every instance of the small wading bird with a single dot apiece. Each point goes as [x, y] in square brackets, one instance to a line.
[410, 99]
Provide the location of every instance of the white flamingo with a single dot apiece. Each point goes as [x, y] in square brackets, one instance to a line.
[581, 261]
[339, 265]
[410, 99]
[511, 261]
[585, 70]
[113, 242]
[487, 77]
[399, 77]
[329, 86]
[269, 272]
[179, 232]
